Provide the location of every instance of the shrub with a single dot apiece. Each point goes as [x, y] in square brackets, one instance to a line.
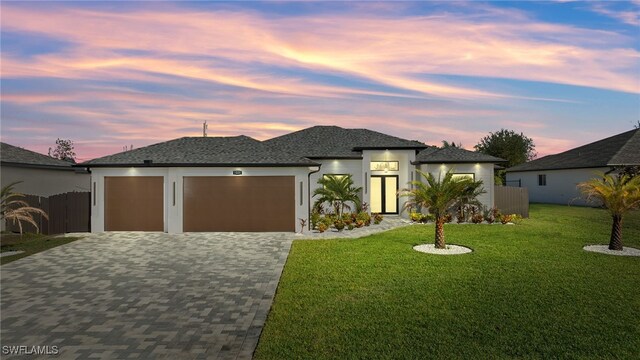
[460, 217]
[322, 227]
[339, 224]
[477, 218]
[377, 218]
[495, 213]
[488, 216]
[505, 218]
[448, 218]
[315, 219]
[359, 223]
[350, 226]
[364, 217]
[516, 218]
[415, 216]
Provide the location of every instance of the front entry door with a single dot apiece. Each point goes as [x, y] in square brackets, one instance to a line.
[384, 198]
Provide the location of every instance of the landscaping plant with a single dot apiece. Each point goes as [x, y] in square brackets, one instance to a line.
[13, 208]
[437, 196]
[338, 191]
[619, 194]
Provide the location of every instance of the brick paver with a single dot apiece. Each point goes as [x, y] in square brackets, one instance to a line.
[145, 295]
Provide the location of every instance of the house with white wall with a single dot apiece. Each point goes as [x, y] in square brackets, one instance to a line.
[554, 178]
[242, 184]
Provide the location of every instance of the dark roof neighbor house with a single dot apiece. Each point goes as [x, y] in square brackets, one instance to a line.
[39, 174]
[16, 156]
[553, 178]
[618, 150]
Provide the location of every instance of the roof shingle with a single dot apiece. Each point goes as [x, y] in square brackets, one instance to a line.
[10, 154]
[434, 155]
[320, 142]
[621, 149]
[203, 151]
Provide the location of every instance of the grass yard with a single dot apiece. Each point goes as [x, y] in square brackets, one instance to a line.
[30, 244]
[527, 291]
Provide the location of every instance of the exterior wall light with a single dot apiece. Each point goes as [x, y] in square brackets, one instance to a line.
[237, 172]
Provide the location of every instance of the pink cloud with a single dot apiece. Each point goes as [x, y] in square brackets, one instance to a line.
[403, 58]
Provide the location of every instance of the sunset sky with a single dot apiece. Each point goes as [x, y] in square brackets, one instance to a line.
[110, 74]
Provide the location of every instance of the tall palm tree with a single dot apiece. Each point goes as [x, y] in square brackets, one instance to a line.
[619, 194]
[437, 196]
[337, 190]
[16, 210]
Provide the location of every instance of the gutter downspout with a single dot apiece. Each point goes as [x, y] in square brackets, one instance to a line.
[309, 195]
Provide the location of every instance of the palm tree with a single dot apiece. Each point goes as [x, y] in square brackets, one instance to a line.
[619, 194]
[437, 196]
[16, 210]
[337, 190]
[470, 195]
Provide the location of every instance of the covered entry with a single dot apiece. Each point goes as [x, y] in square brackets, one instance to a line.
[134, 203]
[239, 203]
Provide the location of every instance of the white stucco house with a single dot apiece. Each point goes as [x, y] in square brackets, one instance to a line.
[242, 184]
[554, 178]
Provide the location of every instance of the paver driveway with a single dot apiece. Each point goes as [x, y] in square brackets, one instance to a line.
[145, 295]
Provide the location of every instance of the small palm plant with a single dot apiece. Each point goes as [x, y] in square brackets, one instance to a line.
[14, 209]
[337, 191]
[619, 194]
[437, 196]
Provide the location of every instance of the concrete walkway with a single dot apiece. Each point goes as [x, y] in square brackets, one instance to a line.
[145, 295]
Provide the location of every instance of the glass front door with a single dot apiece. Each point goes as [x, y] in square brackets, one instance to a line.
[384, 189]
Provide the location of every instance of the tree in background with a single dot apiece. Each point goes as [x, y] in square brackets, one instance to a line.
[509, 145]
[63, 151]
[446, 144]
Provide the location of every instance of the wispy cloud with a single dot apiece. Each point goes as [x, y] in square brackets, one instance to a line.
[630, 15]
[157, 71]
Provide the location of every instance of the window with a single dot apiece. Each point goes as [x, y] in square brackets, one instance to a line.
[385, 165]
[542, 180]
[470, 176]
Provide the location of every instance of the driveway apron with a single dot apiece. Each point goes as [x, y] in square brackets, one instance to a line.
[144, 295]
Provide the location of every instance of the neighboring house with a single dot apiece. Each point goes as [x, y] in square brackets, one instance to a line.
[553, 178]
[39, 174]
[242, 184]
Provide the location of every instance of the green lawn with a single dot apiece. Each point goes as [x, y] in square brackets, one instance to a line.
[527, 291]
[30, 244]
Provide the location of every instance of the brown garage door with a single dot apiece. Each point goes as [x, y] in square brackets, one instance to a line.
[239, 203]
[134, 203]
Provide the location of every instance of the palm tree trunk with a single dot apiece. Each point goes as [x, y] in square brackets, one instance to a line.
[616, 233]
[440, 244]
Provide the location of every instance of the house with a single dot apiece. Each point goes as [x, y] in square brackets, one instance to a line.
[553, 178]
[39, 174]
[242, 184]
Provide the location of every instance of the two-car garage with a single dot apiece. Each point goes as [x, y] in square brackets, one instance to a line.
[209, 203]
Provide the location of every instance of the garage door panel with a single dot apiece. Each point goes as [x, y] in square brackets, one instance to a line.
[134, 203]
[243, 203]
